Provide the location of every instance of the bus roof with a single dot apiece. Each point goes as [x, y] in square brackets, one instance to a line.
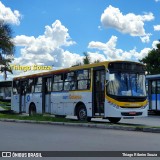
[104, 63]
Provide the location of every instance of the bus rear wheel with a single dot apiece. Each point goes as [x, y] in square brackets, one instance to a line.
[32, 110]
[114, 119]
[82, 113]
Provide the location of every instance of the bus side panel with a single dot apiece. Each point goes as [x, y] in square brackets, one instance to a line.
[23, 103]
[158, 102]
[64, 103]
[56, 103]
[153, 102]
[28, 101]
[35, 98]
[87, 99]
[15, 100]
[48, 103]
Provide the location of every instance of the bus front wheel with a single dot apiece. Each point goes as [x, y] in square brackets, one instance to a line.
[82, 113]
[114, 119]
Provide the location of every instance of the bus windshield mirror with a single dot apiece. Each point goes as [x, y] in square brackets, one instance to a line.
[111, 77]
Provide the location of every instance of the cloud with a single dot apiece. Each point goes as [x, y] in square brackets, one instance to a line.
[128, 24]
[146, 38]
[112, 53]
[157, 0]
[156, 28]
[95, 56]
[46, 49]
[109, 48]
[9, 16]
[54, 36]
[154, 44]
[23, 40]
[59, 32]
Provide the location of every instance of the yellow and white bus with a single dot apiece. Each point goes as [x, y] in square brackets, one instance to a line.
[110, 89]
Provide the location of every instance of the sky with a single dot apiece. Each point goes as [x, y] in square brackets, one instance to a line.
[57, 32]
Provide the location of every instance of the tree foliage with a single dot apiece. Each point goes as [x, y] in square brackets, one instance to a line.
[6, 47]
[152, 61]
[86, 59]
[6, 43]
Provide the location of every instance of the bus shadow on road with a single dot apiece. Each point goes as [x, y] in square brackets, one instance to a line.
[106, 122]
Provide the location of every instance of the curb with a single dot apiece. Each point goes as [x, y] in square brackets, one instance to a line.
[102, 126]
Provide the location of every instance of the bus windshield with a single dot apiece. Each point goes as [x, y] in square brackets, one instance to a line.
[127, 84]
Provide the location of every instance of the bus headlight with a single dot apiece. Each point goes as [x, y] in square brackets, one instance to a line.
[144, 106]
[115, 106]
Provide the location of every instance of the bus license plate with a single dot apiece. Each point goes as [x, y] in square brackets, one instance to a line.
[132, 113]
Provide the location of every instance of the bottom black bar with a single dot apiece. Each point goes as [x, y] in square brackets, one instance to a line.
[39, 154]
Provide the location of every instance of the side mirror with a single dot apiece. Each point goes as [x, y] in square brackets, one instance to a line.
[110, 77]
[107, 76]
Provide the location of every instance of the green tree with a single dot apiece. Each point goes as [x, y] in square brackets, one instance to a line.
[97, 61]
[152, 61]
[7, 47]
[87, 58]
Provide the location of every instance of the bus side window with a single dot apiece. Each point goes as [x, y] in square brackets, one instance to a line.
[83, 79]
[70, 81]
[30, 86]
[48, 84]
[153, 91]
[16, 87]
[24, 87]
[58, 82]
[38, 84]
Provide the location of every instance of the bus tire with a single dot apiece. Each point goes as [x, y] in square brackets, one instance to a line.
[82, 113]
[114, 119]
[32, 110]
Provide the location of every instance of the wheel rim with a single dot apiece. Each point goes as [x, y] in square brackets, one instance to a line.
[82, 114]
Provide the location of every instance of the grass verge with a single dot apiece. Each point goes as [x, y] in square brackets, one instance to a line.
[36, 118]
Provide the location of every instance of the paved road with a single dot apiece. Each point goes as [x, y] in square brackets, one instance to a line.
[40, 137]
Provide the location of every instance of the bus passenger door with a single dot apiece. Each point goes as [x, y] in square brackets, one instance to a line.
[46, 94]
[98, 94]
[154, 95]
[23, 96]
[15, 98]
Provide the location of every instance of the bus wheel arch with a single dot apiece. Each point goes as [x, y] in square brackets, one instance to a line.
[32, 109]
[81, 112]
